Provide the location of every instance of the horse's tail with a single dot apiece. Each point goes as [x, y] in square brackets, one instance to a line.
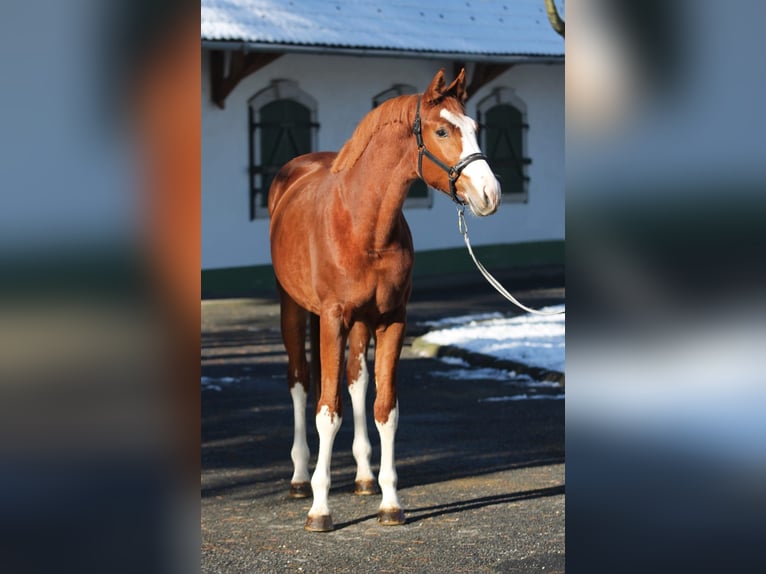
[316, 374]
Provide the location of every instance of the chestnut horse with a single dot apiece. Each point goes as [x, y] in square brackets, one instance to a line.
[342, 253]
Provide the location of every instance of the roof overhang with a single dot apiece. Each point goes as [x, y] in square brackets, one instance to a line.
[245, 47]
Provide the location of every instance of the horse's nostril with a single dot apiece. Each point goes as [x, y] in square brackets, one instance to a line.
[488, 195]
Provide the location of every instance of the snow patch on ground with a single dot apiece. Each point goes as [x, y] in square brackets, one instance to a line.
[534, 340]
[462, 320]
[522, 397]
[215, 383]
[490, 374]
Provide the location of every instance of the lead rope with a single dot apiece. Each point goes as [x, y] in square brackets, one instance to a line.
[463, 227]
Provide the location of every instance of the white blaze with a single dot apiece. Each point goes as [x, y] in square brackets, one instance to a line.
[467, 129]
[477, 173]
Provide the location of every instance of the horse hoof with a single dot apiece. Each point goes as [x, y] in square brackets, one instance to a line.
[300, 490]
[321, 523]
[391, 516]
[365, 487]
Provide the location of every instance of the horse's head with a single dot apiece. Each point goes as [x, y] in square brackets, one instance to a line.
[449, 158]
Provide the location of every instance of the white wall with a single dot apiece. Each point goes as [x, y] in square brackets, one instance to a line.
[344, 87]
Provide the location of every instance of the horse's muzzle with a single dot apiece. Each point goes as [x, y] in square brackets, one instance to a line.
[484, 200]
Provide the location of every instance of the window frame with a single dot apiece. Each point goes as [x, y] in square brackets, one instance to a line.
[280, 89]
[508, 97]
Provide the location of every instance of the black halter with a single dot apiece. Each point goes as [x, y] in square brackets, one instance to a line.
[452, 172]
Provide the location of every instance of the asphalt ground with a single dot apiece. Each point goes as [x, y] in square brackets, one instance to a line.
[482, 483]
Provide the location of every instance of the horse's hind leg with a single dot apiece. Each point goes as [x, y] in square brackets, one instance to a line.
[293, 319]
[357, 375]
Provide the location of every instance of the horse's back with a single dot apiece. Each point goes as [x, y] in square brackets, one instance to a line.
[298, 174]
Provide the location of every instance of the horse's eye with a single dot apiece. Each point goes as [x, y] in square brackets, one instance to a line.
[442, 132]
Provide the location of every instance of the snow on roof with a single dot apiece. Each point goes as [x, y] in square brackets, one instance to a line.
[488, 27]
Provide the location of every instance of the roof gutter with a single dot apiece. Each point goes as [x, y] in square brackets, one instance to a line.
[237, 46]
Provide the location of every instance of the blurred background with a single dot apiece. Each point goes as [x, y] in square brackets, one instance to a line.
[665, 277]
[100, 286]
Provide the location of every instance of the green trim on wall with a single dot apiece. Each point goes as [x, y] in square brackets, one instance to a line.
[232, 281]
[493, 257]
[238, 280]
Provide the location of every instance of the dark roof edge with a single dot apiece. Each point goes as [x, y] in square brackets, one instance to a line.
[238, 45]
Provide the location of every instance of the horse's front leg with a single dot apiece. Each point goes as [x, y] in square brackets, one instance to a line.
[388, 347]
[357, 375]
[332, 343]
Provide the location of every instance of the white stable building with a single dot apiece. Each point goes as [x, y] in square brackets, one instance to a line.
[281, 78]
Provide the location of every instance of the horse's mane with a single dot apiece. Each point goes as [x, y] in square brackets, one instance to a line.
[400, 110]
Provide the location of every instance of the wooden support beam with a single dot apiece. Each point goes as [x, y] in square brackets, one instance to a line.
[241, 65]
[483, 74]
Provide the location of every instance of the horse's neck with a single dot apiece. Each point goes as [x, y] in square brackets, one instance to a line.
[376, 190]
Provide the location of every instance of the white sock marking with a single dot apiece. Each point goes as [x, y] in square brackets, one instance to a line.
[300, 450]
[387, 477]
[361, 446]
[327, 427]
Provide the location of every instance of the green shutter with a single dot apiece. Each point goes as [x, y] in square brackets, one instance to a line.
[504, 146]
[283, 131]
[285, 127]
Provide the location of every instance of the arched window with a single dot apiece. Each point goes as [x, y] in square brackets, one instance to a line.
[503, 125]
[419, 194]
[282, 125]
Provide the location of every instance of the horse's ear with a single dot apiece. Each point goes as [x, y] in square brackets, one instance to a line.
[457, 88]
[435, 91]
